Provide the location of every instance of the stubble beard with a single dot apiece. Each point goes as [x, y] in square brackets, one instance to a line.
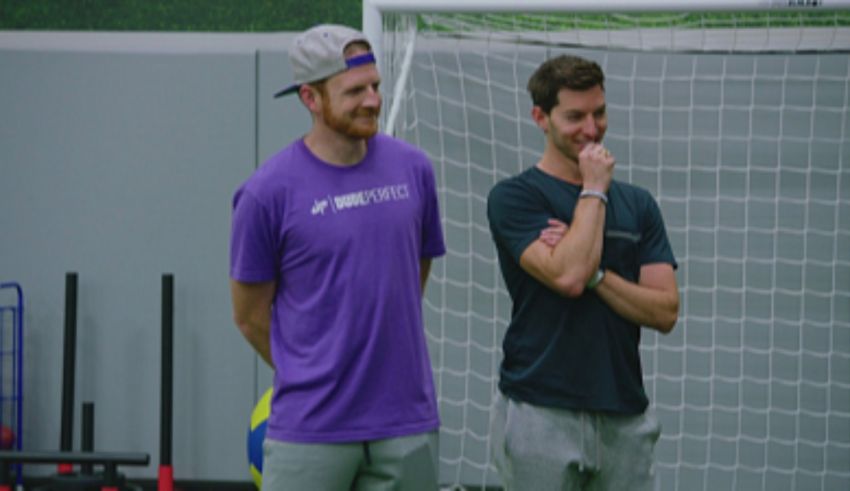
[567, 148]
[349, 126]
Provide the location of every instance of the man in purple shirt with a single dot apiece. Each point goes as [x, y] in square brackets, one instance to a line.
[331, 246]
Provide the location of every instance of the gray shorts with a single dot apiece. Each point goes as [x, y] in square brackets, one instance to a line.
[402, 464]
[546, 449]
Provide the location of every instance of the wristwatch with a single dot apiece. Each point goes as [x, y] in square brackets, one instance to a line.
[595, 279]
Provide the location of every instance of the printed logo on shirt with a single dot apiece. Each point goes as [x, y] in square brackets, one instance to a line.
[360, 199]
[319, 207]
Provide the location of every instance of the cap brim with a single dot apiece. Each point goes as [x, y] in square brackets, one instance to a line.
[289, 90]
[355, 61]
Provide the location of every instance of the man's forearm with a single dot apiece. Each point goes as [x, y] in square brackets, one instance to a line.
[644, 305]
[424, 271]
[577, 256]
[258, 336]
[252, 314]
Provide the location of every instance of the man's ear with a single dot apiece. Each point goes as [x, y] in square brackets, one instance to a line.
[310, 97]
[540, 117]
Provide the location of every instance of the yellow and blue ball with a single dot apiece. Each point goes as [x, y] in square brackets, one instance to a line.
[256, 435]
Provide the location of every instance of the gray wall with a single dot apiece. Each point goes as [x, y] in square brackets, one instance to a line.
[119, 155]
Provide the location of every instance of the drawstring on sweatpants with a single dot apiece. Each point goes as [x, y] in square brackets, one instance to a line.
[366, 453]
[581, 456]
[595, 421]
[598, 430]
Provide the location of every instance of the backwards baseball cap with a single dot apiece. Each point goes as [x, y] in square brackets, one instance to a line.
[318, 53]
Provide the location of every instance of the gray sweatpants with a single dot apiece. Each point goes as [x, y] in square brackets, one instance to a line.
[396, 464]
[542, 449]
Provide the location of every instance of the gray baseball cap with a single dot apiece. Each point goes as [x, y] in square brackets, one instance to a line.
[318, 53]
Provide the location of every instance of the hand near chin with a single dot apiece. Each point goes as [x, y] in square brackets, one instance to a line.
[553, 234]
[596, 165]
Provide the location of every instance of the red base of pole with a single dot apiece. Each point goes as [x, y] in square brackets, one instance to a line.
[166, 478]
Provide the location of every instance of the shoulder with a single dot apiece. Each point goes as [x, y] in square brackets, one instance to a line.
[511, 187]
[386, 146]
[515, 196]
[398, 157]
[285, 161]
[272, 176]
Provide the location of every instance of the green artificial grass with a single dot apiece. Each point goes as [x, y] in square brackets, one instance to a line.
[291, 15]
[177, 15]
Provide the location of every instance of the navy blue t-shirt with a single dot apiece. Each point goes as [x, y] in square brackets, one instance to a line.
[573, 353]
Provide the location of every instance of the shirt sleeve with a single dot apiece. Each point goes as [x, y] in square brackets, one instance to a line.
[433, 243]
[515, 217]
[655, 246]
[252, 248]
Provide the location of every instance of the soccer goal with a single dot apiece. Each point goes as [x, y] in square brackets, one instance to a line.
[734, 114]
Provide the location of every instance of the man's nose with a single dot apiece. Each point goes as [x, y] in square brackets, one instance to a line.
[373, 98]
[589, 127]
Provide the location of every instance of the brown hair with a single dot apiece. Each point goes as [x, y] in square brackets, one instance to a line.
[563, 72]
[320, 86]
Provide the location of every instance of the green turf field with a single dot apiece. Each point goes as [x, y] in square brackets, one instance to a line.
[291, 15]
[177, 15]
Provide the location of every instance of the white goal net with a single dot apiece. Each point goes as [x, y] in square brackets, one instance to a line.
[739, 124]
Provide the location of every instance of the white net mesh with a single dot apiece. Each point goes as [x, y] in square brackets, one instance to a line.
[738, 124]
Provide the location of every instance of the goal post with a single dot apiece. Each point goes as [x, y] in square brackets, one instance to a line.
[735, 115]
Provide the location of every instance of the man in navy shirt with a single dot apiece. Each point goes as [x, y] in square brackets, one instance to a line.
[587, 263]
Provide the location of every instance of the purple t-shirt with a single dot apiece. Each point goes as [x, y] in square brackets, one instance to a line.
[344, 246]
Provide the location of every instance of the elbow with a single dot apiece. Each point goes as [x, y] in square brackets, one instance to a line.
[668, 320]
[243, 324]
[252, 326]
[243, 327]
[665, 326]
[569, 287]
